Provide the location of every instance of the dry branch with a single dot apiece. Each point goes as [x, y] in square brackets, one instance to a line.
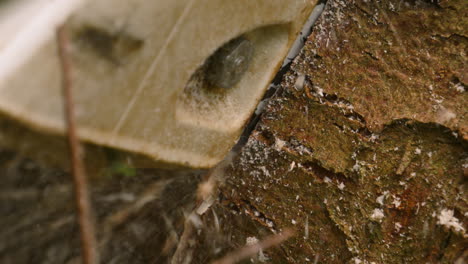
[87, 230]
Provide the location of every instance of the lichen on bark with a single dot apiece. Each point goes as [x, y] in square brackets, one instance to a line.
[368, 149]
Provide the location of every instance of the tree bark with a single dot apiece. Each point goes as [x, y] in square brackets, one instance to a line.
[366, 155]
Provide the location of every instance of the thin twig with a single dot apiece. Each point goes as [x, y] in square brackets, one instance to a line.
[151, 193]
[205, 194]
[252, 250]
[87, 230]
[183, 252]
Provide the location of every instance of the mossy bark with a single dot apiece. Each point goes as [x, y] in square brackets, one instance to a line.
[363, 151]
[368, 151]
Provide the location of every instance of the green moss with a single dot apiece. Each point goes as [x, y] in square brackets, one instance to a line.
[370, 142]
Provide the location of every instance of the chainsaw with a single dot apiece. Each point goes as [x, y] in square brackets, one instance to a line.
[179, 81]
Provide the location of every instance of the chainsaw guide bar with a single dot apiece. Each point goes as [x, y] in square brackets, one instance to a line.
[179, 81]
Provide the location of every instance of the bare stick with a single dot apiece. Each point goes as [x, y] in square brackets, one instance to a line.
[252, 250]
[182, 251]
[87, 233]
